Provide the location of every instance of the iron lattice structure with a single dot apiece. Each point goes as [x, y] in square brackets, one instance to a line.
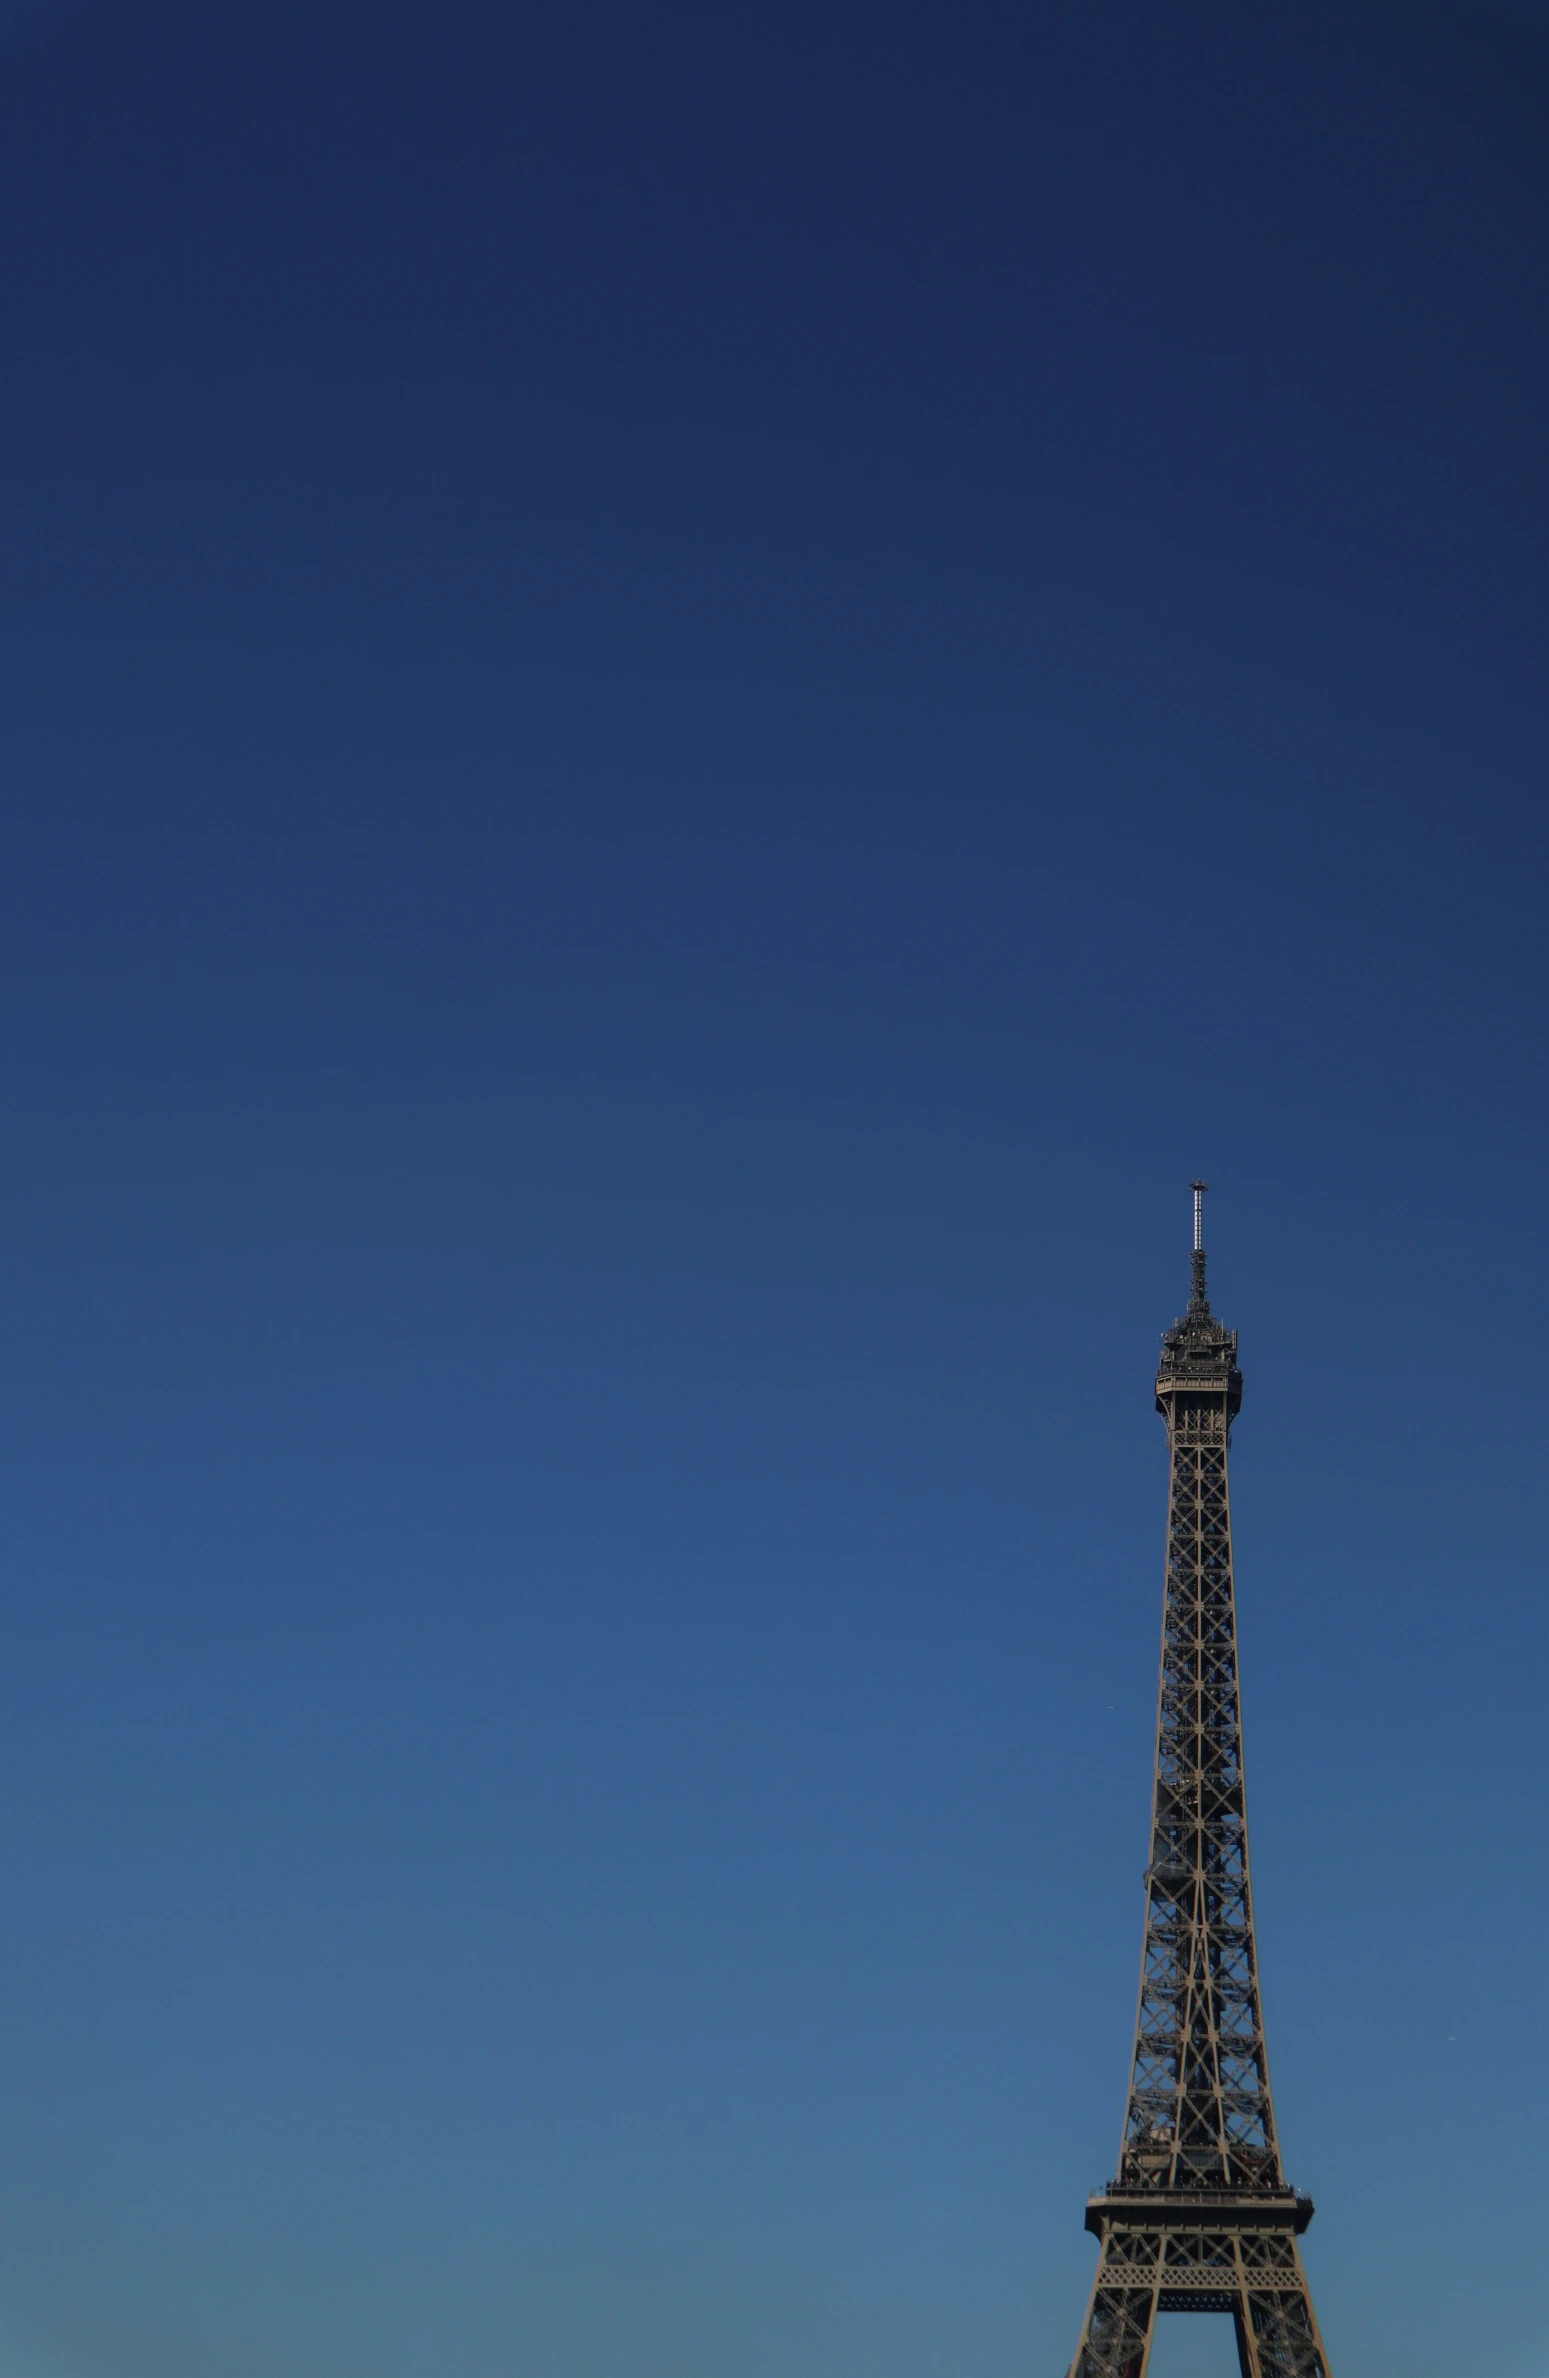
[1200, 2218]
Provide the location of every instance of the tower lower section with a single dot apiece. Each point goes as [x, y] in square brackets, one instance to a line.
[1200, 2251]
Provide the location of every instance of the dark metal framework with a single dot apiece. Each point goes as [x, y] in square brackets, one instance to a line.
[1200, 2218]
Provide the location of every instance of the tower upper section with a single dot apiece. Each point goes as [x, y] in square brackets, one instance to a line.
[1198, 1369]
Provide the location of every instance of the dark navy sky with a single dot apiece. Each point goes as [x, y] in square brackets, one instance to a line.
[690, 698]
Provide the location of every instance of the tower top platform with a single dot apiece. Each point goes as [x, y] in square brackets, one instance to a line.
[1199, 1353]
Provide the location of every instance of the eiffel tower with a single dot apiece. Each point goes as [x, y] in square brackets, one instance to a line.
[1200, 2218]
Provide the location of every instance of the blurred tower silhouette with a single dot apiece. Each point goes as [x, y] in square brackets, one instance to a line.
[1200, 2218]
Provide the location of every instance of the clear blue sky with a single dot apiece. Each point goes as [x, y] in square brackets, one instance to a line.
[690, 699]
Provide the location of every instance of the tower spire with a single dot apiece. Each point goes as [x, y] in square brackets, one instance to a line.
[1199, 1301]
[1200, 2217]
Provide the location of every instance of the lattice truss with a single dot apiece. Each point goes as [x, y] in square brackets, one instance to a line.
[1254, 2274]
[1199, 2107]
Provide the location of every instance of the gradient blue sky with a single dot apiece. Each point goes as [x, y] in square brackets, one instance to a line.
[692, 697]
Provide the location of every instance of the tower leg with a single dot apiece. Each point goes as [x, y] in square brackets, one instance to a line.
[1277, 2329]
[1277, 2337]
[1116, 2336]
